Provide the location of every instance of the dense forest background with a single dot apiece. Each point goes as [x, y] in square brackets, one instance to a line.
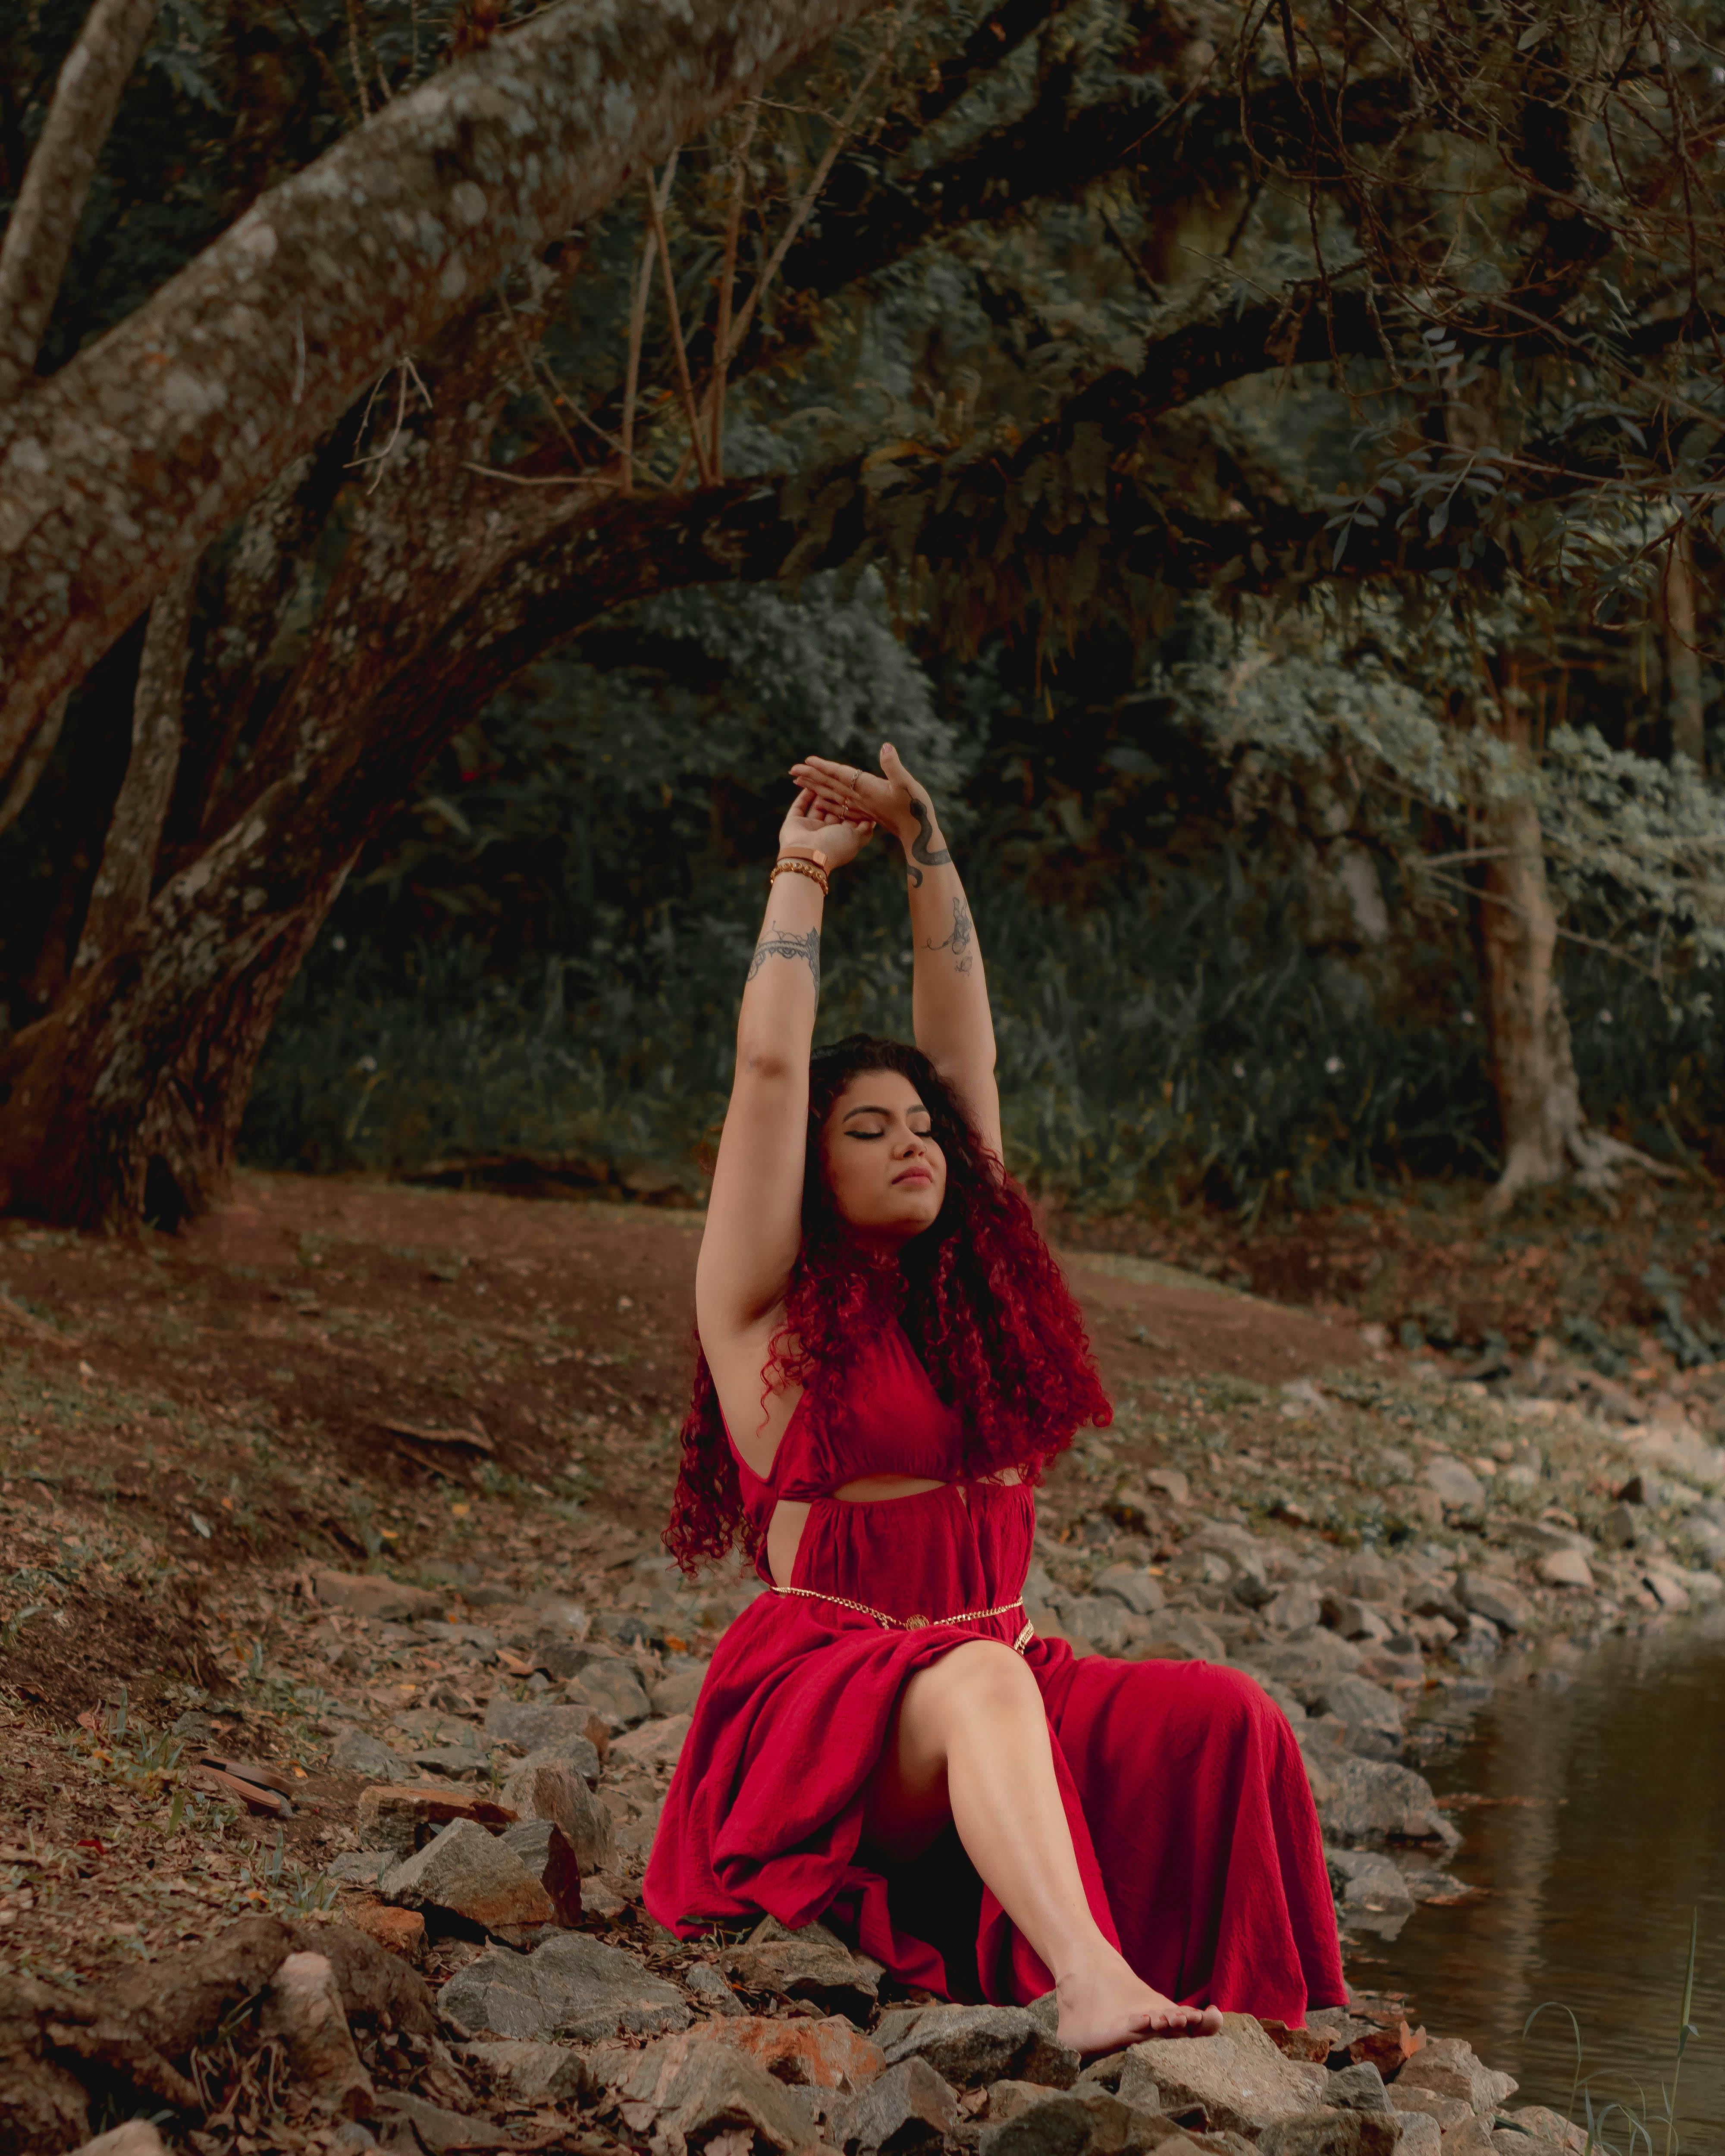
[1422, 314]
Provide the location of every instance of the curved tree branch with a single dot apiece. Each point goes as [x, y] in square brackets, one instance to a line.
[45, 219]
[131, 459]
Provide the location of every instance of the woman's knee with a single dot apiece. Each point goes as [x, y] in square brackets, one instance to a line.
[986, 1677]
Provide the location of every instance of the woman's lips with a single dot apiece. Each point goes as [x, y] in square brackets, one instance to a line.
[914, 1175]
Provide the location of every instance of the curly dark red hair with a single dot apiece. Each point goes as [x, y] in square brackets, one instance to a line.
[978, 1294]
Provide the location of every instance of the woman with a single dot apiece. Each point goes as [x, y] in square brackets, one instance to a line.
[889, 1358]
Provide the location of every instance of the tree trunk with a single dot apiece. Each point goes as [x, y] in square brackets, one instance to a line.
[1546, 1136]
[125, 1103]
[1682, 659]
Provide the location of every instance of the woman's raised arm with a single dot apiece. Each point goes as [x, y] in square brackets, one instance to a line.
[754, 1215]
[949, 992]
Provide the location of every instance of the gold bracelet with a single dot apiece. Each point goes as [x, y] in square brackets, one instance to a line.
[791, 867]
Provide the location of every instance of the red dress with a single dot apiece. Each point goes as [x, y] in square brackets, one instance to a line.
[1189, 1804]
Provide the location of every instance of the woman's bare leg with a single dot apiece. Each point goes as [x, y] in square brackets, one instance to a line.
[970, 1744]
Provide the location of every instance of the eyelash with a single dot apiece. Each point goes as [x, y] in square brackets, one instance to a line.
[928, 1133]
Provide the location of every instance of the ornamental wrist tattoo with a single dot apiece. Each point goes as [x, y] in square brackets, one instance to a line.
[784, 943]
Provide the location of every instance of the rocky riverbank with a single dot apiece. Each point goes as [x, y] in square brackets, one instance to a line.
[301, 1851]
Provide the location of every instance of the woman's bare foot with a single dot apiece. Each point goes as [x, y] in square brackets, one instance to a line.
[1104, 2007]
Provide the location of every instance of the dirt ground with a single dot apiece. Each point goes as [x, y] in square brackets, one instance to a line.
[479, 1395]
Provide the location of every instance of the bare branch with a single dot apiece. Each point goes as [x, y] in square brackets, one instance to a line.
[686, 387]
[44, 220]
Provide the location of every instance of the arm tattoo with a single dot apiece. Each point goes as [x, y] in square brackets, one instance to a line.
[919, 845]
[780, 943]
[959, 942]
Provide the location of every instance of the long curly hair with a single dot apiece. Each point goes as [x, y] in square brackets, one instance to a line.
[977, 1292]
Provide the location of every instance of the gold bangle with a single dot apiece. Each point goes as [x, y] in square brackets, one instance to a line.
[800, 868]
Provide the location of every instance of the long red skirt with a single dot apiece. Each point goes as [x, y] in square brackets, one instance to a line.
[1189, 1808]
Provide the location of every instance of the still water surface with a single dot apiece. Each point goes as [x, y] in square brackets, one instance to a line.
[1591, 1878]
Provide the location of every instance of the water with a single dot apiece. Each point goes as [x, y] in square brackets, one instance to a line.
[1617, 1833]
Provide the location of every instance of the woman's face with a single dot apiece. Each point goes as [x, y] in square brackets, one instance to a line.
[887, 1176]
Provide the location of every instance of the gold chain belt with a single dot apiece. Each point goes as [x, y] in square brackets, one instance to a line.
[918, 1624]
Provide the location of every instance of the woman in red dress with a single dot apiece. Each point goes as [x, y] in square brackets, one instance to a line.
[889, 1358]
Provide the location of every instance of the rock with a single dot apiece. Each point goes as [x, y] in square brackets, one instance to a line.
[398, 1816]
[1458, 1487]
[1353, 1619]
[1547, 2125]
[1565, 1567]
[829, 2053]
[678, 1690]
[362, 1867]
[1171, 1482]
[1179, 1636]
[703, 2087]
[136, 2137]
[1357, 2088]
[1371, 1715]
[1239, 2077]
[1132, 1585]
[653, 1743]
[432, 2127]
[534, 2073]
[1293, 1609]
[973, 2046]
[578, 1752]
[1471, 2137]
[303, 2007]
[549, 1790]
[711, 1988]
[1332, 2133]
[1619, 1527]
[355, 1752]
[1109, 1626]
[1667, 1592]
[572, 1986]
[1420, 2135]
[611, 1689]
[1304, 1663]
[908, 2109]
[399, 1931]
[544, 1850]
[1007, 2099]
[1136, 2084]
[458, 1761]
[1372, 1892]
[468, 1873]
[1079, 2121]
[370, 1594]
[804, 1967]
[542, 1726]
[1504, 1605]
[1447, 2066]
[1370, 1800]
[1444, 2111]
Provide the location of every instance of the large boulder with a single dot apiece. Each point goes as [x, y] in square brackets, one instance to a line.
[572, 1986]
[610, 1689]
[653, 1743]
[1239, 2077]
[972, 2046]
